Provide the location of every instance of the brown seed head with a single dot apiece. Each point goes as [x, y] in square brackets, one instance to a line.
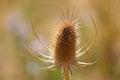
[65, 44]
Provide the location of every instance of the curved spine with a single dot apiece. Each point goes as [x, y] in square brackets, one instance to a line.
[93, 40]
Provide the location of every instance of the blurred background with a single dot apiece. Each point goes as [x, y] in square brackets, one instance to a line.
[15, 26]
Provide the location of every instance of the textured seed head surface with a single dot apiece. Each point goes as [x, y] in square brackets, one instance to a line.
[65, 44]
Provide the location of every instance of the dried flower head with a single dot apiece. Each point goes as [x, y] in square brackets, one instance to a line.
[65, 53]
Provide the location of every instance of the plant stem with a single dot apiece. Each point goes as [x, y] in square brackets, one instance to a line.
[67, 75]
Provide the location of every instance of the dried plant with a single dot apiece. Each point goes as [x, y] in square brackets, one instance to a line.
[65, 53]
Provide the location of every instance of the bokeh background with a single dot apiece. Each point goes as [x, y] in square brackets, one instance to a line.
[15, 26]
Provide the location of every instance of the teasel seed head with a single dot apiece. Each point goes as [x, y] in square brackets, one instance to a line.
[65, 44]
